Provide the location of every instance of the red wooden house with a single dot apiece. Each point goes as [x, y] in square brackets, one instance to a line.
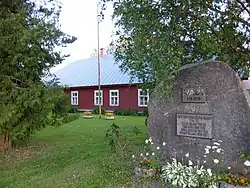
[117, 91]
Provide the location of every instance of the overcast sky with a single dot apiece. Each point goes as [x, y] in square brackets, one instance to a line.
[79, 18]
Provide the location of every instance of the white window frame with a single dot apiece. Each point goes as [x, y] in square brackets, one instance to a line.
[74, 102]
[95, 96]
[110, 97]
[139, 98]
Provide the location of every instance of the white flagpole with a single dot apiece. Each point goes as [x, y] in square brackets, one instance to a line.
[98, 57]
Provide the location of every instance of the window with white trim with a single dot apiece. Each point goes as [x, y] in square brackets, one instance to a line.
[96, 98]
[74, 97]
[113, 97]
[143, 97]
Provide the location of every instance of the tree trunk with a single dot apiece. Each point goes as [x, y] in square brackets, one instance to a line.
[5, 142]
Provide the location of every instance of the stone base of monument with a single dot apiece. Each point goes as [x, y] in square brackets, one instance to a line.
[145, 173]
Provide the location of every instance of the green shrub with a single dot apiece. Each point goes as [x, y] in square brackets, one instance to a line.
[245, 156]
[96, 110]
[72, 110]
[112, 136]
[135, 129]
[130, 112]
[145, 112]
[69, 117]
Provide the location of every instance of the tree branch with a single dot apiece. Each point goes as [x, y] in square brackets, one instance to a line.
[244, 7]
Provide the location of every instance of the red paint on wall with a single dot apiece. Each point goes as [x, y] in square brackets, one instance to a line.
[128, 97]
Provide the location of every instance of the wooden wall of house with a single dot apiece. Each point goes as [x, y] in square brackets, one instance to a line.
[128, 97]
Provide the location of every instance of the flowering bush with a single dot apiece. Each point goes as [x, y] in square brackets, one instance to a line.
[146, 163]
[178, 175]
[109, 114]
[87, 113]
[147, 158]
[233, 179]
[214, 151]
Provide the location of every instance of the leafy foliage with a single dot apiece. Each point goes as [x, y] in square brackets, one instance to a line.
[155, 37]
[112, 136]
[136, 130]
[29, 33]
[129, 112]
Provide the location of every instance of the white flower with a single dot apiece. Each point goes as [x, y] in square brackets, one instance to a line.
[187, 155]
[153, 154]
[204, 161]
[216, 161]
[133, 156]
[229, 168]
[218, 150]
[199, 172]
[152, 142]
[147, 154]
[216, 144]
[214, 147]
[146, 141]
[208, 147]
[220, 140]
[190, 163]
[150, 139]
[206, 151]
[205, 156]
[247, 163]
[209, 171]
[164, 143]
[158, 148]
[141, 154]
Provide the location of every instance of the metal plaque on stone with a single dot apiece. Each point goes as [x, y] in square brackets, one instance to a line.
[194, 95]
[194, 125]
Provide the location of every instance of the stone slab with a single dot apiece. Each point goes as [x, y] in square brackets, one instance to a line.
[194, 125]
[227, 100]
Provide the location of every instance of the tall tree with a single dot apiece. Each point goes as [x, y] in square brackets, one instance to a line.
[29, 32]
[163, 35]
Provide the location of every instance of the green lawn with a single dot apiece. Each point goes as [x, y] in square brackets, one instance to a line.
[74, 155]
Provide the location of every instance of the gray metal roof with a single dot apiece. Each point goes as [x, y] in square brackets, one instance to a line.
[85, 73]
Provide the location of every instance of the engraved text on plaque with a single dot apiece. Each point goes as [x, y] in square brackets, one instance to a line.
[194, 125]
[194, 95]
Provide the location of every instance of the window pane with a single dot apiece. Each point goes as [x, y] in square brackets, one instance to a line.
[141, 101]
[74, 100]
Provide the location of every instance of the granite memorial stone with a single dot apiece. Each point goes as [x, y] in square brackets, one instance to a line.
[209, 105]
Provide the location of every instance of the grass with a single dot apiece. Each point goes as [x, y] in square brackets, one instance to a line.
[74, 155]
